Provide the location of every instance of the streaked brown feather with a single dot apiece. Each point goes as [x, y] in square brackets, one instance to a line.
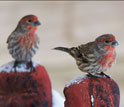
[23, 47]
[93, 57]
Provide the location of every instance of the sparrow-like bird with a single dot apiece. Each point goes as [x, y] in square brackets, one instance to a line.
[23, 41]
[94, 57]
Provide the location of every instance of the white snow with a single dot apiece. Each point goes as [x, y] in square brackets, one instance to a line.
[97, 75]
[79, 79]
[20, 68]
[76, 80]
[92, 100]
[57, 99]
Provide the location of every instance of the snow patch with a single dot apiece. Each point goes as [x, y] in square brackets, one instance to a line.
[20, 68]
[57, 99]
[98, 75]
[92, 100]
[76, 80]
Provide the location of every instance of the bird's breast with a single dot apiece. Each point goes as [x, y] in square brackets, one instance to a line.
[26, 41]
[108, 59]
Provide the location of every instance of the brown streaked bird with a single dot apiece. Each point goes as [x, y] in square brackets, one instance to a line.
[23, 41]
[94, 57]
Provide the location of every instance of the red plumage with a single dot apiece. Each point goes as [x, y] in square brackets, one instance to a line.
[23, 41]
[94, 57]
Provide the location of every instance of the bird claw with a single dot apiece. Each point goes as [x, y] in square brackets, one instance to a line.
[103, 74]
[15, 65]
[30, 65]
[91, 75]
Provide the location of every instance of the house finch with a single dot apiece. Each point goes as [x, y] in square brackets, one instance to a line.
[23, 41]
[94, 57]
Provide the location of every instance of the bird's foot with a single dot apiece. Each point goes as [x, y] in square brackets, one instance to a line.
[102, 73]
[91, 75]
[30, 65]
[15, 65]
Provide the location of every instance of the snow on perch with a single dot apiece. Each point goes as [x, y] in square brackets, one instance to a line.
[86, 91]
[57, 99]
[76, 80]
[23, 88]
[27, 88]
[20, 67]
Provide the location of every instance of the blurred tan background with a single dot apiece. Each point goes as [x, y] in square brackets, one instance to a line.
[66, 24]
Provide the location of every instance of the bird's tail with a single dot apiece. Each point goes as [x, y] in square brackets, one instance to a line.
[63, 49]
[72, 51]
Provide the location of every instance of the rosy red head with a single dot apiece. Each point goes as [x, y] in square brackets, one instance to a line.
[28, 22]
[106, 41]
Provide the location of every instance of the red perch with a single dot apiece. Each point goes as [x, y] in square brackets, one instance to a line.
[92, 92]
[24, 88]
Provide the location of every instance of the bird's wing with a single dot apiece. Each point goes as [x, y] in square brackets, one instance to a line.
[11, 36]
[37, 38]
[86, 48]
[86, 52]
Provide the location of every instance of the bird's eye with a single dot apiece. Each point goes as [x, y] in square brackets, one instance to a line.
[29, 20]
[107, 41]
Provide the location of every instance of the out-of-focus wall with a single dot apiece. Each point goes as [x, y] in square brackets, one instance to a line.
[66, 24]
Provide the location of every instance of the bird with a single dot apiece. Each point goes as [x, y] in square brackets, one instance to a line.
[94, 57]
[23, 42]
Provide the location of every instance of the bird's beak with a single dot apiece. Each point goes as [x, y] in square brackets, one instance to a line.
[37, 23]
[115, 43]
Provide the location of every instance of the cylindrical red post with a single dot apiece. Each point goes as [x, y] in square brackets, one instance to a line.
[24, 88]
[92, 92]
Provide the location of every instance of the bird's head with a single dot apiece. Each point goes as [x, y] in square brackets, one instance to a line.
[106, 42]
[28, 23]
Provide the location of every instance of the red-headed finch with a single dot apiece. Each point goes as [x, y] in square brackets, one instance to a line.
[96, 56]
[23, 41]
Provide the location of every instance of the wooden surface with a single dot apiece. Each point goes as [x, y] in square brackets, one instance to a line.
[25, 89]
[92, 92]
